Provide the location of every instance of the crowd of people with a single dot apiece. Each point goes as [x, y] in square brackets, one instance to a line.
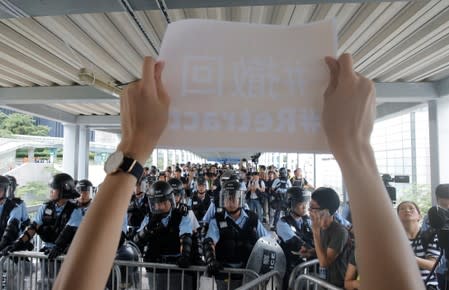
[212, 215]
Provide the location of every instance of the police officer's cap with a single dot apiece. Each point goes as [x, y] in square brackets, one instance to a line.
[160, 191]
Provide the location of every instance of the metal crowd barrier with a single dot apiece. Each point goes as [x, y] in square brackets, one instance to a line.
[310, 267]
[315, 281]
[33, 271]
[268, 281]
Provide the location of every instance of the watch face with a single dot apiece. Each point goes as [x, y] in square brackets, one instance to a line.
[113, 162]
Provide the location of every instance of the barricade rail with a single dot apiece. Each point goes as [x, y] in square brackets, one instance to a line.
[268, 281]
[309, 267]
[316, 283]
[33, 271]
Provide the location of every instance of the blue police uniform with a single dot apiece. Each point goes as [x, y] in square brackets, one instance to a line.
[185, 227]
[16, 213]
[286, 232]
[214, 233]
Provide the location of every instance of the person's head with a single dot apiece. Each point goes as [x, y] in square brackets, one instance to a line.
[442, 194]
[201, 186]
[62, 187]
[231, 197]
[161, 198]
[146, 170]
[282, 173]
[409, 213]
[298, 172]
[178, 172]
[142, 186]
[84, 188]
[178, 189]
[271, 175]
[297, 201]
[325, 201]
[262, 168]
[4, 185]
[12, 186]
[255, 176]
[162, 176]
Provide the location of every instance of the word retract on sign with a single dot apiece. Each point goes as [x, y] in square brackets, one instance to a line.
[285, 120]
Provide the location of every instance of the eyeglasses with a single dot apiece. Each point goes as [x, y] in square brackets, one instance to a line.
[314, 208]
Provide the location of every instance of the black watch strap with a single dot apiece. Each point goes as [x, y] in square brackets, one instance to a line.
[132, 167]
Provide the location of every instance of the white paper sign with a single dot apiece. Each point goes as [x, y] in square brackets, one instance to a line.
[246, 87]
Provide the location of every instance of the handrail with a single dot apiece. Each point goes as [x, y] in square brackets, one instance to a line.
[317, 281]
[260, 280]
[298, 269]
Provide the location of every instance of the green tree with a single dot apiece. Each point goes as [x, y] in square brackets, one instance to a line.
[420, 194]
[34, 192]
[22, 124]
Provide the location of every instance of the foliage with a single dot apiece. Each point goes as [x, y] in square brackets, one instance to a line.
[34, 192]
[421, 194]
[5, 133]
[22, 124]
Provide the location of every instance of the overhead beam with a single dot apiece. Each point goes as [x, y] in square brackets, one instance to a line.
[56, 94]
[99, 121]
[44, 111]
[57, 7]
[442, 87]
[406, 92]
[388, 110]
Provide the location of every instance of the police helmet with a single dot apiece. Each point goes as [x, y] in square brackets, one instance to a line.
[160, 192]
[296, 195]
[84, 185]
[201, 181]
[231, 190]
[178, 187]
[65, 184]
[4, 185]
[12, 186]
[228, 175]
[282, 173]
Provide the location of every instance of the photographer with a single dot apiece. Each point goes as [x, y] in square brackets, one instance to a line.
[255, 194]
[426, 252]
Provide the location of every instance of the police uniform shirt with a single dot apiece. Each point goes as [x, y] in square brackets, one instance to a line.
[23, 212]
[193, 220]
[341, 220]
[214, 233]
[14, 214]
[40, 214]
[277, 181]
[286, 232]
[78, 215]
[185, 227]
[210, 213]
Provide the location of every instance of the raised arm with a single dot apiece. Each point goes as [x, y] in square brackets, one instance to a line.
[348, 117]
[143, 102]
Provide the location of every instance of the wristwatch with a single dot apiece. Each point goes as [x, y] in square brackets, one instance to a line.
[117, 161]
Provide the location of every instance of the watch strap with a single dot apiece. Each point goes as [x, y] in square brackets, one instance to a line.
[132, 167]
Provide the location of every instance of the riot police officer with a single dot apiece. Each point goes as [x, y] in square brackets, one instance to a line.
[294, 229]
[11, 194]
[10, 215]
[232, 233]
[139, 206]
[52, 216]
[165, 235]
[201, 199]
[85, 188]
[279, 189]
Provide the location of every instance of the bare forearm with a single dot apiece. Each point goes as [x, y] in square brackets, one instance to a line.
[425, 263]
[101, 226]
[376, 226]
[320, 252]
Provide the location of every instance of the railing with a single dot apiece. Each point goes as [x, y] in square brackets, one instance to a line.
[271, 280]
[317, 283]
[33, 271]
[309, 267]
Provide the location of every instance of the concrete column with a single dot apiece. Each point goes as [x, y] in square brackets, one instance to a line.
[70, 149]
[31, 155]
[443, 139]
[83, 154]
[154, 157]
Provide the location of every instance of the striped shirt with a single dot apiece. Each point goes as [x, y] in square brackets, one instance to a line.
[432, 251]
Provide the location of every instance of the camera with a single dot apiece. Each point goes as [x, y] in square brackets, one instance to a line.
[387, 178]
[255, 157]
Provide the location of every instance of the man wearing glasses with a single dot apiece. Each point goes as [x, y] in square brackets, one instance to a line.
[331, 239]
